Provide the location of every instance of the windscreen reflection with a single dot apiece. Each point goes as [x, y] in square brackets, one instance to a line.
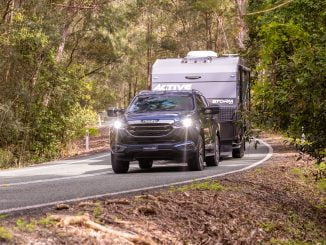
[162, 103]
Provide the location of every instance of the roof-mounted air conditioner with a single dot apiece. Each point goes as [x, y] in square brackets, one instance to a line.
[201, 54]
[230, 55]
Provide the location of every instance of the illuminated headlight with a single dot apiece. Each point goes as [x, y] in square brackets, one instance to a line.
[187, 122]
[117, 124]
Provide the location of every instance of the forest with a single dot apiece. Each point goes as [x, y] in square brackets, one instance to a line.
[64, 61]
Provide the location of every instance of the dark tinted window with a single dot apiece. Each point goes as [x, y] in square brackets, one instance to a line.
[148, 103]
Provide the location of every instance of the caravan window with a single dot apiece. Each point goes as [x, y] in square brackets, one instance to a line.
[151, 103]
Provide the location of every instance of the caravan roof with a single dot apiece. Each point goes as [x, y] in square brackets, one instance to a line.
[200, 65]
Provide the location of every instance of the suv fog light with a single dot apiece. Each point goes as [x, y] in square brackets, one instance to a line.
[118, 148]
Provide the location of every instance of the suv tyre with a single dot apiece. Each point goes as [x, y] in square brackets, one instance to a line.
[197, 162]
[239, 153]
[118, 166]
[215, 159]
[145, 164]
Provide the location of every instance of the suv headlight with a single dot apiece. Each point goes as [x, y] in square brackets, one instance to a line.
[118, 124]
[187, 122]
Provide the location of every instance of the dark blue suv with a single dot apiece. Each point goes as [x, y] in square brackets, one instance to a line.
[165, 125]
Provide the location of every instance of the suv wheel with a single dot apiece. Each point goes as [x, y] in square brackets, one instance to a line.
[239, 153]
[214, 160]
[145, 164]
[197, 162]
[118, 166]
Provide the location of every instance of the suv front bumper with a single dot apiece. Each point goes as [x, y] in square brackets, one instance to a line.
[178, 151]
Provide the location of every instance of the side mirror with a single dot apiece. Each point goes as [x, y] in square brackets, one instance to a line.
[211, 110]
[114, 112]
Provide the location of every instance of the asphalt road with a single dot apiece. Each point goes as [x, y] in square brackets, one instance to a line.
[92, 177]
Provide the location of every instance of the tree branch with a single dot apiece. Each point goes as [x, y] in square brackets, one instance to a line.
[270, 9]
[95, 70]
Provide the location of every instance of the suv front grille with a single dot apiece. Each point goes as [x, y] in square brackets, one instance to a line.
[150, 129]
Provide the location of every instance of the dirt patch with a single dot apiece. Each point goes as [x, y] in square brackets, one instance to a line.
[277, 203]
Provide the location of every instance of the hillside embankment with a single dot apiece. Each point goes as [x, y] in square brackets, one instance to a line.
[279, 202]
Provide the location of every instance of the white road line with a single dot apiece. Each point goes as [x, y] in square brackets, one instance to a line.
[53, 179]
[133, 166]
[51, 165]
[232, 165]
[269, 155]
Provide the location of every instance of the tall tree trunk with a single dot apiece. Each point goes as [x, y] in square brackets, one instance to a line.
[136, 85]
[240, 5]
[71, 12]
[225, 36]
[7, 15]
[64, 34]
[207, 31]
[149, 49]
[129, 91]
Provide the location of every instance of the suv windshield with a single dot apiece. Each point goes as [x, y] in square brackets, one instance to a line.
[148, 103]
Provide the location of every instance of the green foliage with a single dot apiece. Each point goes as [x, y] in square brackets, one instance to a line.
[287, 242]
[44, 102]
[207, 185]
[5, 234]
[287, 47]
[268, 226]
[3, 216]
[97, 210]
[80, 120]
[321, 184]
[46, 222]
[25, 226]
[6, 158]
[60, 64]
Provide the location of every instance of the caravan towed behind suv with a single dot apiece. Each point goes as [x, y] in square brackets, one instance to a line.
[223, 80]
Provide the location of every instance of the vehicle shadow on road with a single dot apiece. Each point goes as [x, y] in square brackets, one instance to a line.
[160, 169]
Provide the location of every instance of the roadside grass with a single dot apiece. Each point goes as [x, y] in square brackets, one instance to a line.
[321, 184]
[306, 174]
[268, 226]
[3, 216]
[204, 186]
[46, 221]
[288, 242]
[298, 172]
[258, 170]
[98, 210]
[5, 235]
[23, 225]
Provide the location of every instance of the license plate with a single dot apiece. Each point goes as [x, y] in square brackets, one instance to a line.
[150, 148]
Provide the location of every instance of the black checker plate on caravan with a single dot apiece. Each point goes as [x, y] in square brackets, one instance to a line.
[226, 113]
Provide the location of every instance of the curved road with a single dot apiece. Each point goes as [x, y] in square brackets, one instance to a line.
[92, 177]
